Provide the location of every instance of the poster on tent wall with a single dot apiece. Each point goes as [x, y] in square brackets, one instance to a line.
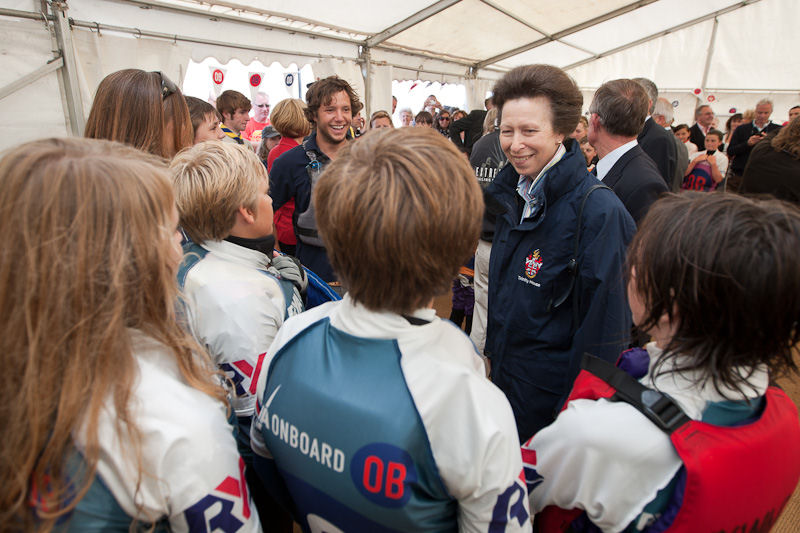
[217, 79]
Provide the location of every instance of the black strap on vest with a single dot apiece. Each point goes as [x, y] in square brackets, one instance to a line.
[572, 266]
[659, 408]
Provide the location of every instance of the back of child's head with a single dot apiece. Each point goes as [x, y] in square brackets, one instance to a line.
[725, 270]
[212, 180]
[399, 212]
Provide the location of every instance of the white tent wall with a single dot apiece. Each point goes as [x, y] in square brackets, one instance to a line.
[100, 54]
[595, 40]
[350, 71]
[742, 61]
[35, 110]
[675, 61]
[757, 48]
[237, 39]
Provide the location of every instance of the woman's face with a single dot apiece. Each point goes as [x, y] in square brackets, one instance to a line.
[527, 136]
[682, 134]
[736, 123]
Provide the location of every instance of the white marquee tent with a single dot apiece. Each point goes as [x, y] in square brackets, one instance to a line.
[725, 52]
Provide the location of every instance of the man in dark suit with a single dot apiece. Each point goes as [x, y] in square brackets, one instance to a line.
[654, 140]
[744, 138]
[617, 114]
[663, 115]
[703, 119]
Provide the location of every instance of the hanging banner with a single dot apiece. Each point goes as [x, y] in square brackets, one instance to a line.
[254, 79]
[217, 78]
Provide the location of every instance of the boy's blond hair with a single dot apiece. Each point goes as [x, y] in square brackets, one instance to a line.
[399, 212]
[212, 181]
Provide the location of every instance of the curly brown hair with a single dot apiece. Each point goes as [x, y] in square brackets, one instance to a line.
[322, 92]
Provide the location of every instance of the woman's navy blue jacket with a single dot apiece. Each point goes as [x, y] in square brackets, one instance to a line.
[535, 348]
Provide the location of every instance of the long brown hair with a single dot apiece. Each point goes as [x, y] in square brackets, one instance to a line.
[84, 238]
[788, 139]
[129, 108]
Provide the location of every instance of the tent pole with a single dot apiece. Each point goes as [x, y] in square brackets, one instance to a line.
[69, 72]
[414, 19]
[52, 65]
[565, 32]
[367, 58]
[709, 55]
[662, 33]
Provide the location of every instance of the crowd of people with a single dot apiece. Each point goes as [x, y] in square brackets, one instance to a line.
[225, 322]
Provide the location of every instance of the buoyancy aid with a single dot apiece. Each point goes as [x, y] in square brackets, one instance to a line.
[735, 479]
[307, 220]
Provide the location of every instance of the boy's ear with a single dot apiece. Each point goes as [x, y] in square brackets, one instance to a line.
[246, 215]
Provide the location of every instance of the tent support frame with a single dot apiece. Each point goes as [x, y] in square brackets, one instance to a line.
[51, 66]
[662, 33]
[709, 55]
[366, 57]
[69, 75]
[414, 19]
[563, 33]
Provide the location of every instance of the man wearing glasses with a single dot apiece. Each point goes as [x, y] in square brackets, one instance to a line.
[259, 120]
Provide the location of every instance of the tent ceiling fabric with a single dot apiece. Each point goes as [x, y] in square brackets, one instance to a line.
[448, 32]
[484, 33]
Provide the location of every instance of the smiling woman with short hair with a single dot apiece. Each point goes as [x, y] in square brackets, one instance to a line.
[555, 273]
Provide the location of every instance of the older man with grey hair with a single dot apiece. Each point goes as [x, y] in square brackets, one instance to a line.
[744, 138]
[663, 116]
[617, 113]
[703, 123]
[655, 141]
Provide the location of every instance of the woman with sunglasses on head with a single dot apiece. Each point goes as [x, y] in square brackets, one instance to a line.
[145, 110]
[113, 415]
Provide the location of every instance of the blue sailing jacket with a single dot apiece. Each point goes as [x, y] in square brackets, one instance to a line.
[535, 346]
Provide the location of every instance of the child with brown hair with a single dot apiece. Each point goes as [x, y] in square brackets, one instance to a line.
[375, 413]
[700, 442]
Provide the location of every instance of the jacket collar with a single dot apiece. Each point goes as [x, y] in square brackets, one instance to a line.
[560, 180]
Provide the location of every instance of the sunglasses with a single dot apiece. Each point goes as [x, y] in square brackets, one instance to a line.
[167, 87]
[444, 118]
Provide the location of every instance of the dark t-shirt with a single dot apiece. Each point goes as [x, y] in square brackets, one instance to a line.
[487, 158]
